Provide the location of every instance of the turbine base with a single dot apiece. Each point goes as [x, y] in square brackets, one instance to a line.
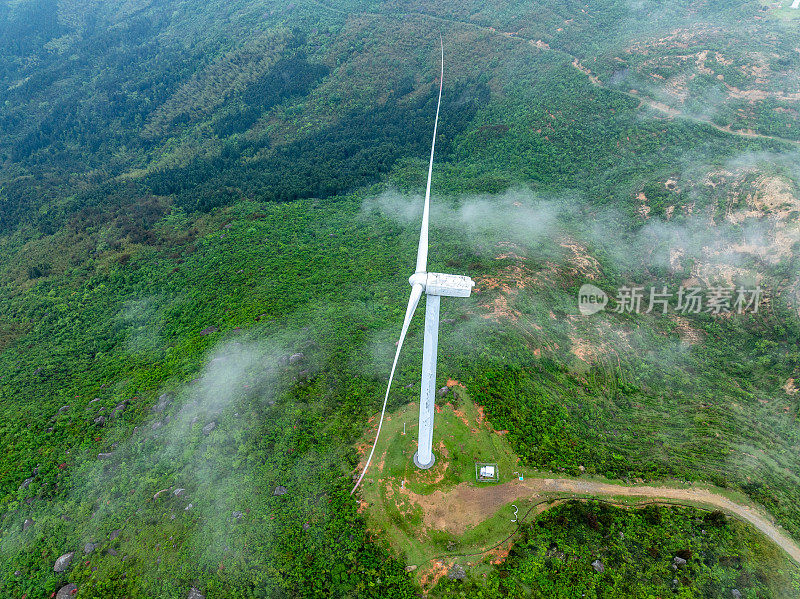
[423, 466]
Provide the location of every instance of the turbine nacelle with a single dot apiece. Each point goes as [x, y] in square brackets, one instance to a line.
[437, 283]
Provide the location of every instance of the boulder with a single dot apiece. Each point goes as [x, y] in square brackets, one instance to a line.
[67, 591]
[25, 483]
[457, 572]
[678, 561]
[296, 358]
[27, 524]
[306, 525]
[209, 427]
[63, 409]
[104, 456]
[598, 566]
[17, 573]
[100, 420]
[411, 568]
[111, 551]
[195, 594]
[178, 492]
[114, 534]
[237, 515]
[279, 490]
[209, 330]
[89, 547]
[736, 594]
[119, 409]
[163, 401]
[62, 563]
[443, 391]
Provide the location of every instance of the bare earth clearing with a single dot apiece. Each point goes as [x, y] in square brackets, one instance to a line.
[467, 505]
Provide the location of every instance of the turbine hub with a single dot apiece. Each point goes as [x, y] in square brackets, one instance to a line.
[418, 278]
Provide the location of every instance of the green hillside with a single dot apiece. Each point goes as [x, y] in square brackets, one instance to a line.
[208, 214]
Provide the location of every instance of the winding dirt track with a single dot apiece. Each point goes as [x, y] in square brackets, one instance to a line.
[448, 510]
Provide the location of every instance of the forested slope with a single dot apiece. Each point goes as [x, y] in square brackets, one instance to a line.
[207, 219]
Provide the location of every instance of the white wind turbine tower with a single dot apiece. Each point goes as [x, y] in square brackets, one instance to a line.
[434, 285]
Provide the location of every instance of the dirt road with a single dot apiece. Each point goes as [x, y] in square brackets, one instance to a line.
[467, 505]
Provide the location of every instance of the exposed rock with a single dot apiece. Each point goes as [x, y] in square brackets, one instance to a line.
[111, 551]
[114, 534]
[89, 547]
[209, 330]
[306, 525]
[187, 508]
[27, 524]
[178, 492]
[411, 568]
[296, 358]
[443, 391]
[163, 401]
[736, 593]
[457, 572]
[279, 490]
[582, 468]
[63, 409]
[67, 592]
[100, 420]
[26, 482]
[195, 594]
[598, 566]
[104, 456]
[17, 573]
[678, 561]
[209, 427]
[238, 515]
[62, 563]
[119, 409]
[95, 400]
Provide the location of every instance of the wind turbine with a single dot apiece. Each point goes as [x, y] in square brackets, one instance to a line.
[434, 285]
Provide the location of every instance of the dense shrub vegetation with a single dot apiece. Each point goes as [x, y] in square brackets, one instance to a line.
[190, 236]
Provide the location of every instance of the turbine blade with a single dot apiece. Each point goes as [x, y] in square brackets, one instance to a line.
[416, 293]
[422, 250]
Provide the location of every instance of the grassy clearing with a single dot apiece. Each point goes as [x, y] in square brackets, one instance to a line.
[440, 518]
